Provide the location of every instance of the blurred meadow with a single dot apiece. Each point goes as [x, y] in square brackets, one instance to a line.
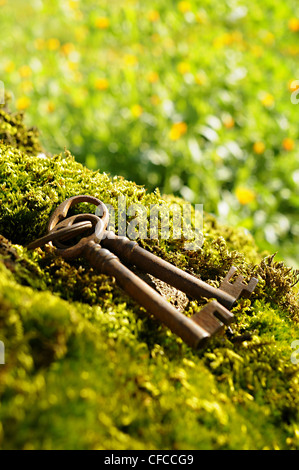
[193, 97]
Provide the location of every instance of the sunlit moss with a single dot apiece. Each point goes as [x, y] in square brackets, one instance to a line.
[86, 368]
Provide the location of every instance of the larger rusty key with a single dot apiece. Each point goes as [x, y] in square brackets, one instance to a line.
[194, 330]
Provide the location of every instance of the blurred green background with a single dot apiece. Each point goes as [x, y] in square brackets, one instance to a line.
[193, 97]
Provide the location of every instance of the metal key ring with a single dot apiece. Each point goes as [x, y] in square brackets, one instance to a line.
[62, 233]
[67, 224]
[60, 213]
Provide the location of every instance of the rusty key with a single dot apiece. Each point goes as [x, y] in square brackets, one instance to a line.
[194, 330]
[130, 252]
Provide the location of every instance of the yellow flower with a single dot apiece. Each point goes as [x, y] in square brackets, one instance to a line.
[53, 44]
[183, 67]
[294, 25]
[73, 4]
[153, 16]
[222, 40]
[288, 144]
[67, 48]
[268, 38]
[245, 195]
[267, 100]
[50, 107]
[9, 67]
[228, 121]
[101, 84]
[23, 103]
[184, 6]
[227, 39]
[177, 130]
[72, 65]
[259, 147]
[88, 394]
[130, 60]
[25, 71]
[136, 110]
[39, 43]
[102, 22]
[293, 85]
[152, 77]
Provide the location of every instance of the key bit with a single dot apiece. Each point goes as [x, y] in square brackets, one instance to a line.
[238, 288]
[212, 317]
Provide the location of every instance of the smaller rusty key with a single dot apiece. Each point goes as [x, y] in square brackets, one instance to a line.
[195, 330]
[130, 252]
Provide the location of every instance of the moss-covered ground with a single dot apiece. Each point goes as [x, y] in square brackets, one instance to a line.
[87, 368]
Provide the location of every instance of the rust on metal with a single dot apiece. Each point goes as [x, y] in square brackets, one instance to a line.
[61, 234]
[238, 288]
[60, 213]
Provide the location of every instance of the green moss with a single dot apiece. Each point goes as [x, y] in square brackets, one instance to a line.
[87, 368]
[14, 132]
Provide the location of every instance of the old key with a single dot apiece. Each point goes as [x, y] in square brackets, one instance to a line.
[194, 330]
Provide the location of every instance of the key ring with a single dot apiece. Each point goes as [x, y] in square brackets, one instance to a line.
[59, 233]
[61, 227]
[59, 221]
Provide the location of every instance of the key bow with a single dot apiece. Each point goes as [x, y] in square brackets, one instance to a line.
[59, 220]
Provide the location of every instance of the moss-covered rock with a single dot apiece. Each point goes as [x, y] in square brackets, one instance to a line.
[87, 368]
